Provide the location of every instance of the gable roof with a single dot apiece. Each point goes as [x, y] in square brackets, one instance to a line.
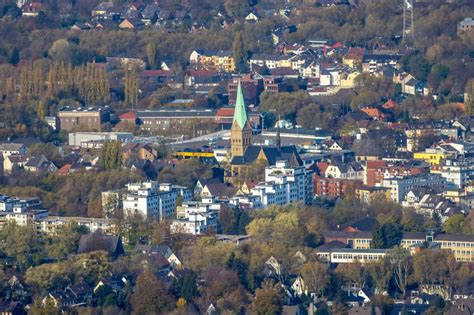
[99, 242]
[366, 224]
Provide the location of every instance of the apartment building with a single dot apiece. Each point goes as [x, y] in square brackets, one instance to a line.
[51, 224]
[197, 218]
[152, 200]
[85, 118]
[213, 60]
[401, 185]
[284, 184]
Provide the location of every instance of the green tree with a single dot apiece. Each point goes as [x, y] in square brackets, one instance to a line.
[20, 242]
[111, 155]
[62, 51]
[386, 236]
[14, 57]
[458, 223]
[239, 53]
[48, 276]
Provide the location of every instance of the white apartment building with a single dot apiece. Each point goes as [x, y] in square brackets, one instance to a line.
[196, 218]
[401, 185]
[153, 200]
[50, 224]
[283, 185]
[458, 173]
[22, 215]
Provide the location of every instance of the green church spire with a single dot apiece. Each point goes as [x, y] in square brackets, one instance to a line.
[240, 113]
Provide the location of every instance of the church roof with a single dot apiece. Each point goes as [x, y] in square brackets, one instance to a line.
[272, 154]
[240, 113]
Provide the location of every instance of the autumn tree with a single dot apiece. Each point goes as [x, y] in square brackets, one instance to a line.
[402, 267]
[268, 299]
[131, 87]
[315, 276]
[150, 296]
[381, 273]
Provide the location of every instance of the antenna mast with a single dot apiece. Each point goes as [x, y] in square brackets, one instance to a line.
[408, 24]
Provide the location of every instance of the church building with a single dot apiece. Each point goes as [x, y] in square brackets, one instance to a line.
[244, 153]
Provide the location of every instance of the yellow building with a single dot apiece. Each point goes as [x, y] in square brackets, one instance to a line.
[432, 157]
[461, 246]
[220, 61]
[368, 194]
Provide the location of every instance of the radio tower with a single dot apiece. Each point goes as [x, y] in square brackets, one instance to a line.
[408, 25]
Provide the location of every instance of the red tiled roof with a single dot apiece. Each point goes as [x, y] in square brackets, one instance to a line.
[373, 112]
[376, 163]
[390, 104]
[155, 73]
[226, 111]
[355, 53]
[65, 169]
[201, 73]
[128, 116]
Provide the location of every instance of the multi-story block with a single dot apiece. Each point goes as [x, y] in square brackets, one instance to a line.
[333, 187]
[284, 184]
[197, 217]
[51, 224]
[84, 118]
[401, 185]
[458, 172]
[368, 194]
[152, 200]
[213, 60]
[375, 171]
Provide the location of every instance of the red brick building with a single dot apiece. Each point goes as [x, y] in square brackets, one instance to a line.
[375, 171]
[333, 187]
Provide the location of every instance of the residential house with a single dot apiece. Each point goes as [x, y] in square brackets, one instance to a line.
[371, 63]
[345, 171]
[354, 56]
[141, 151]
[299, 288]
[131, 24]
[465, 26]
[32, 9]
[11, 148]
[12, 163]
[252, 17]
[11, 308]
[37, 164]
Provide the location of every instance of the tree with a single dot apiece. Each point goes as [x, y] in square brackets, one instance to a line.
[381, 273]
[20, 242]
[131, 87]
[111, 155]
[239, 53]
[402, 267]
[315, 276]
[151, 55]
[14, 57]
[458, 223]
[61, 51]
[268, 300]
[237, 8]
[386, 236]
[48, 276]
[186, 286]
[150, 296]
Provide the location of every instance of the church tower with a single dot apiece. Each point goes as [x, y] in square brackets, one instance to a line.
[241, 131]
